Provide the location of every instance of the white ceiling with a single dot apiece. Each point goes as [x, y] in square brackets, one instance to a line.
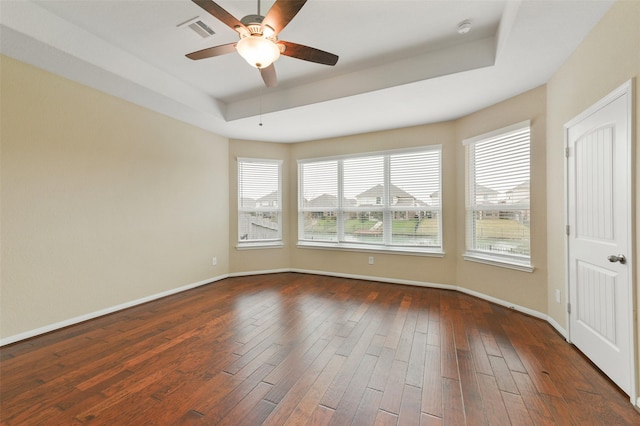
[402, 63]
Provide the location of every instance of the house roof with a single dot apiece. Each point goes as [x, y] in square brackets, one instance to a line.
[324, 200]
[378, 191]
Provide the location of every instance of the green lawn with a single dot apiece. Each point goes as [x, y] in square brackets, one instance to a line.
[501, 228]
[426, 227]
[487, 228]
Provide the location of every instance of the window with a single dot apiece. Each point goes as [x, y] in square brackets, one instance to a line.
[380, 201]
[259, 202]
[497, 205]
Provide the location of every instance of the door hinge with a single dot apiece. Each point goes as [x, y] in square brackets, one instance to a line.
[567, 229]
[566, 152]
[569, 308]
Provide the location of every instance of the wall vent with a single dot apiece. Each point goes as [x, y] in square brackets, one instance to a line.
[197, 26]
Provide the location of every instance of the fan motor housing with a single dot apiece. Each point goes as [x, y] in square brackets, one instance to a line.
[252, 20]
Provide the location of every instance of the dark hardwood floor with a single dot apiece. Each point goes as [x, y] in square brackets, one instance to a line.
[304, 349]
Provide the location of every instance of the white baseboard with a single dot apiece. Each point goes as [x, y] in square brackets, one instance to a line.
[269, 271]
[96, 314]
[76, 320]
[380, 279]
[479, 295]
[563, 332]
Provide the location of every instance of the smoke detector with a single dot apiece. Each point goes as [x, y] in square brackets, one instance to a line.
[464, 26]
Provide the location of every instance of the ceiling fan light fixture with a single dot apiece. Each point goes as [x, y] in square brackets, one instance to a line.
[258, 51]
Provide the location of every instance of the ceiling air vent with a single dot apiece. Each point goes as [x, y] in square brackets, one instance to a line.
[197, 26]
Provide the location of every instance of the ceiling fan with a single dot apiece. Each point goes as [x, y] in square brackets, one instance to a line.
[259, 44]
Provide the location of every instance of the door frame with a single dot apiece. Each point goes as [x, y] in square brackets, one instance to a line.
[625, 89]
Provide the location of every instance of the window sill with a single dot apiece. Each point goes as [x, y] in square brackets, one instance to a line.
[502, 262]
[412, 251]
[260, 245]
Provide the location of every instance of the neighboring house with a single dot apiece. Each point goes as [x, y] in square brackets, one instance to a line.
[248, 203]
[324, 200]
[325, 205]
[518, 194]
[374, 195]
[399, 198]
[485, 195]
[269, 200]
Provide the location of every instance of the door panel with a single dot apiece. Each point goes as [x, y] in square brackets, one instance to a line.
[599, 214]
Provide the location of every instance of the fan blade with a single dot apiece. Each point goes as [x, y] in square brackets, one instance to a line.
[307, 53]
[212, 51]
[220, 14]
[269, 76]
[281, 13]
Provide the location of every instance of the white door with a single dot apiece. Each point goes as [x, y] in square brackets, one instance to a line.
[599, 241]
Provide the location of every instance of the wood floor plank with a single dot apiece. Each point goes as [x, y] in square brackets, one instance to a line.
[536, 406]
[410, 413]
[296, 390]
[321, 416]
[393, 337]
[492, 399]
[432, 383]
[384, 418]
[448, 351]
[415, 369]
[429, 420]
[297, 349]
[518, 413]
[473, 407]
[392, 396]
[346, 409]
[477, 348]
[257, 414]
[368, 407]
[236, 415]
[452, 404]
[380, 375]
[459, 331]
[433, 335]
[312, 397]
[559, 410]
[490, 345]
[503, 375]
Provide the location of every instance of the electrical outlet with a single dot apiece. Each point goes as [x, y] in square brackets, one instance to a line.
[370, 260]
[214, 261]
[558, 296]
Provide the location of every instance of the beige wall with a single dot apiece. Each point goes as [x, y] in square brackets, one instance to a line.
[607, 58]
[400, 267]
[522, 288]
[528, 290]
[103, 202]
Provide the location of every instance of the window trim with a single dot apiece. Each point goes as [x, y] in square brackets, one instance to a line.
[385, 246]
[517, 262]
[266, 243]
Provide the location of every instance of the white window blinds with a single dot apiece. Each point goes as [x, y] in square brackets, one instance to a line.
[385, 200]
[259, 200]
[498, 202]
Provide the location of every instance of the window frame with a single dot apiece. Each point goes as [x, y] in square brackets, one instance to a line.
[385, 208]
[472, 253]
[276, 242]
